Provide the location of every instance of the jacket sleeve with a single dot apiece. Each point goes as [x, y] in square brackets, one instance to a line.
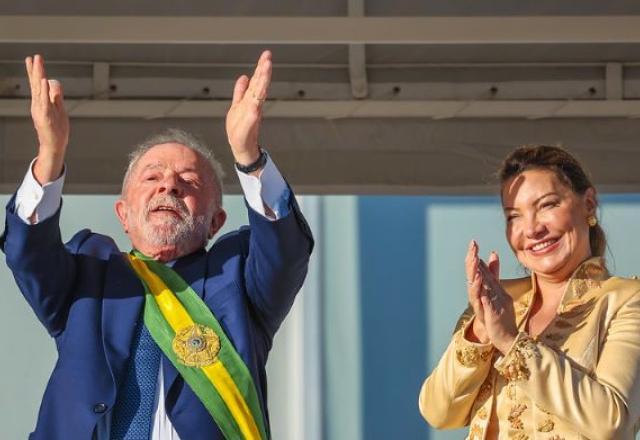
[276, 264]
[42, 266]
[448, 394]
[604, 403]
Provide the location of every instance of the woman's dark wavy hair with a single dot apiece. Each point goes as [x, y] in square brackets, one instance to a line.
[566, 168]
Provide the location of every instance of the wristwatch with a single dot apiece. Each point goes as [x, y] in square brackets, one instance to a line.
[260, 162]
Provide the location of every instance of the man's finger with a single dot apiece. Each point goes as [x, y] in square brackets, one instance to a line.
[240, 89]
[257, 82]
[265, 56]
[55, 92]
[39, 72]
[38, 62]
[43, 98]
[28, 62]
[34, 80]
[261, 87]
[254, 77]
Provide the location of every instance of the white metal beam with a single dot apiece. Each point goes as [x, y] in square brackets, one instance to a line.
[100, 83]
[358, 71]
[155, 109]
[614, 81]
[357, 57]
[363, 188]
[516, 87]
[319, 30]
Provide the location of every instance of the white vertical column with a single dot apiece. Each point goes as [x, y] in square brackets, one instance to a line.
[312, 387]
[342, 336]
[295, 364]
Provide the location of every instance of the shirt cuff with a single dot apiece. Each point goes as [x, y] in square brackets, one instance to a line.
[270, 190]
[36, 203]
[514, 365]
[471, 354]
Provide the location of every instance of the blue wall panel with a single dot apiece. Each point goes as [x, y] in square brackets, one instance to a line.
[392, 262]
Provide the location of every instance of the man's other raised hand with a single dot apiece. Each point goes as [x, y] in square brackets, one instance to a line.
[245, 114]
[49, 119]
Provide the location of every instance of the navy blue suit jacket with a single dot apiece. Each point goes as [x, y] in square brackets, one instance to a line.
[89, 300]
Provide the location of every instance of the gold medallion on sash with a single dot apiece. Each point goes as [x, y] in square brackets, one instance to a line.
[196, 346]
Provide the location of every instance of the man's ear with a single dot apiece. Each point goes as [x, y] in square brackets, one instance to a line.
[121, 211]
[590, 201]
[218, 220]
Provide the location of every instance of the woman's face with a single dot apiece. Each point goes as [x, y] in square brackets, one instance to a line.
[546, 223]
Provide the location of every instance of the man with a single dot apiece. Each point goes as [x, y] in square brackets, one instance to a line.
[170, 341]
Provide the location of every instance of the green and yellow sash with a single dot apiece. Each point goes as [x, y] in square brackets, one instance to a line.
[190, 336]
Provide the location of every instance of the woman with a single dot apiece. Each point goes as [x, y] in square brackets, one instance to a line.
[555, 355]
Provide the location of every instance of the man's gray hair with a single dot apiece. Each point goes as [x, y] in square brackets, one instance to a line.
[178, 136]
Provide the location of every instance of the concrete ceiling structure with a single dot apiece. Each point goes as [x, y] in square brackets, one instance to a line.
[368, 96]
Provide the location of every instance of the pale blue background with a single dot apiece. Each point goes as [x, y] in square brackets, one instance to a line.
[390, 274]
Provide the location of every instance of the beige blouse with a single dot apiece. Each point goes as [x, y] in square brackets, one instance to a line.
[579, 379]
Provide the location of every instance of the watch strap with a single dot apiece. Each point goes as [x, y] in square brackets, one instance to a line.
[259, 163]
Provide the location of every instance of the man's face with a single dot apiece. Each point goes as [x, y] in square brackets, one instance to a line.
[169, 207]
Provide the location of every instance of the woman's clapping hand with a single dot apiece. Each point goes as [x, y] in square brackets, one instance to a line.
[494, 313]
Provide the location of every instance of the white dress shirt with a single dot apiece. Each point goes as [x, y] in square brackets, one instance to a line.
[35, 203]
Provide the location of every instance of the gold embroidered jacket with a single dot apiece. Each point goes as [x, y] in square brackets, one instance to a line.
[579, 379]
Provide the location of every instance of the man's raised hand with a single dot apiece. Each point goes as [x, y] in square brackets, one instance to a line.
[245, 114]
[49, 119]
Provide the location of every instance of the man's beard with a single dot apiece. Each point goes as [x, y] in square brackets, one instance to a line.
[186, 233]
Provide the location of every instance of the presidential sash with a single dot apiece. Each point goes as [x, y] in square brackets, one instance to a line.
[191, 337]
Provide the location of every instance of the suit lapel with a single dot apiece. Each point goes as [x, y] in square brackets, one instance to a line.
[121, 310]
